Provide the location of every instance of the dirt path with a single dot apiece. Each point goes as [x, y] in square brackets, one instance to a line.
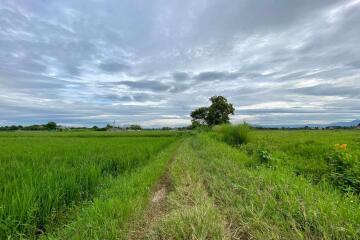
[155, 211]
[157, 206]
[192, 206]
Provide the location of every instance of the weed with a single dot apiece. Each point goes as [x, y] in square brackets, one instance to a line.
[265, 203]
[342, 172]
[233, 134]
[264, 156]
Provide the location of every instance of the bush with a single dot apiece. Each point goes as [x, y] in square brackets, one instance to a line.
[233, 134]
[264, 156]
[343, 172]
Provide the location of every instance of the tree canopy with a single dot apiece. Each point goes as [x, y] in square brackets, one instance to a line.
[217, 113]
[199, 116]
[51, 126]
[135, 127]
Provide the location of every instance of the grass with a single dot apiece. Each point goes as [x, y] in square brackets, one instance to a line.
[270, 185]
[191, 213]
[222, 192]
[275, 203]
[92, 134]
[307, 153]
[124, 198]
[232, 134]
[42, 174]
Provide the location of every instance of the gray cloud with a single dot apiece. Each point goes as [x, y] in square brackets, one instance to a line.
[329, 90]
[210, 76]
[180, 76]
[113, 67]
[144, 85]
[90, 62]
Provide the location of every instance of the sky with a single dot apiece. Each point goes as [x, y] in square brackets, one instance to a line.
[90, 62]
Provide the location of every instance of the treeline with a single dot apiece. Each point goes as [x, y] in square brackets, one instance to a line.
[52, 126]
[307, 128]
[36, 127]
[136, 127]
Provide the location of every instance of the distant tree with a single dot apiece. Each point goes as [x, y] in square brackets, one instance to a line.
[35, 127]
[166, 128]
[135, 127]
[51, 126]
[14, 127]
[218, 113]
[199, 116]
[95, 127]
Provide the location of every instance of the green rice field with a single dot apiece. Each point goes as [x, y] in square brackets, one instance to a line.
[213, 184]
[43, 174]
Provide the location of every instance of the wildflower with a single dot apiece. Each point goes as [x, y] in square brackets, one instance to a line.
[341, 146]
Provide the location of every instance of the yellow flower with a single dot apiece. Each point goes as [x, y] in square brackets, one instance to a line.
[337, 146]
[343, 146]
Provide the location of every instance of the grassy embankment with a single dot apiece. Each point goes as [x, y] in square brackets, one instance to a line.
[222, 192]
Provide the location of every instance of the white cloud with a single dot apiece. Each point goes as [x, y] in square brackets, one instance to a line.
[90, 62]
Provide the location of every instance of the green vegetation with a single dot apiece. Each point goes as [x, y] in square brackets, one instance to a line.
[120, 203]
[313, 155]
[223, 193]
[228, 182]
[233, 134]
[135, 127]
[217, 113]
[273, 202]
[42, 174]
[191, 211]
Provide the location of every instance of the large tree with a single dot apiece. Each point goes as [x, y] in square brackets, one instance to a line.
[51, 126]
[217, 113]
[199, 116]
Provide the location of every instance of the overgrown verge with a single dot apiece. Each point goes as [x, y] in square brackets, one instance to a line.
[232, 134]
[344, 170]
[126, 197]
[274, 203]
[312, 155]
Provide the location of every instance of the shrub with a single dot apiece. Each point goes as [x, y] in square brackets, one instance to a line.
[343, 170]
[233, 134]
[264, 156]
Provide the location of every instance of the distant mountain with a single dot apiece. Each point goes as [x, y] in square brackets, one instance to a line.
[336, 124]
[346, 124]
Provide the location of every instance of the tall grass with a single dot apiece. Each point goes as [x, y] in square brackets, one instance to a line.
[42, 176]
[118, 205]
[312, 154]
[219, 194]
[233, 134]
[274, 203]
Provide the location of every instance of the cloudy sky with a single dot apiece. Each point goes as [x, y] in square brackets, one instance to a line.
[86, 62]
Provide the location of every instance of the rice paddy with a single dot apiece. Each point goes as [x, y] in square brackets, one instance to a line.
[254, 184]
